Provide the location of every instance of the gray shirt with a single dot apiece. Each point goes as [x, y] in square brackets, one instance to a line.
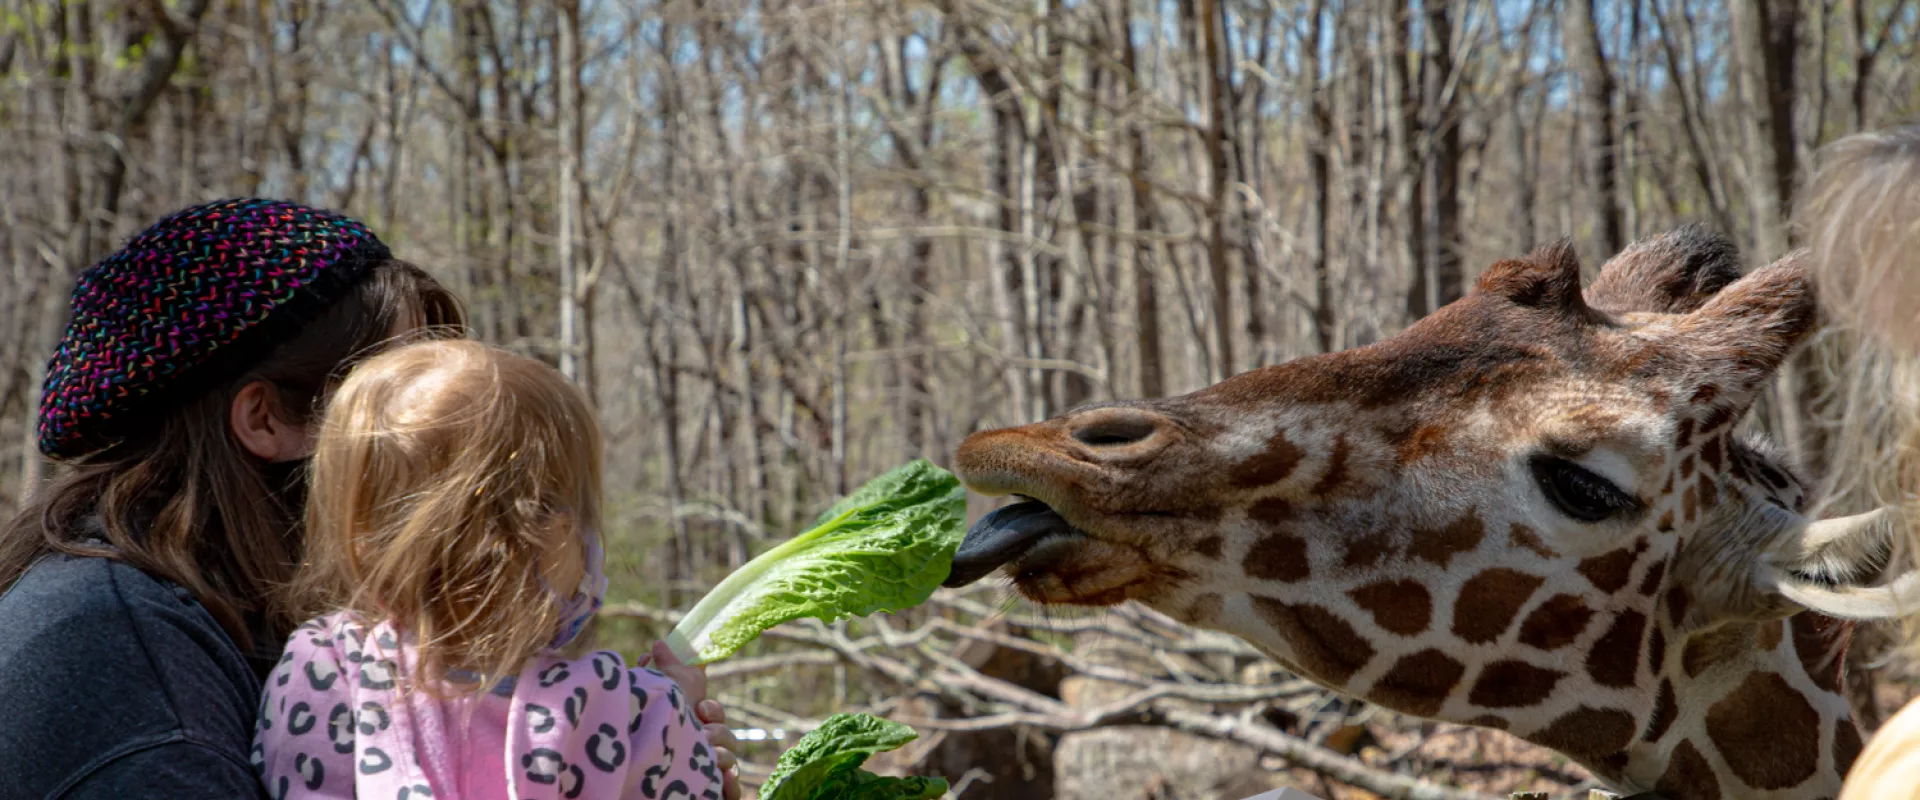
[114, 683]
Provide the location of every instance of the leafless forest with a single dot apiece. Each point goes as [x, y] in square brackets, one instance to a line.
[790, 243]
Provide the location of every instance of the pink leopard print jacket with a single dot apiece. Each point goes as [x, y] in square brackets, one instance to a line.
[336, 722]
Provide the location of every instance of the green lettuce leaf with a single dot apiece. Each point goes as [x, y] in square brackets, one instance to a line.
[825, 764]
[885, 547]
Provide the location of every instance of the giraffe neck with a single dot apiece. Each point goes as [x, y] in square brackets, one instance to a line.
[1745, 710]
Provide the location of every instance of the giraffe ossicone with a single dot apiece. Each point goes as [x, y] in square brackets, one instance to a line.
[1529, 511]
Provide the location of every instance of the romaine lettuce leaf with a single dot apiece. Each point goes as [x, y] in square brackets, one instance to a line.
[885, 547]
[825, 764]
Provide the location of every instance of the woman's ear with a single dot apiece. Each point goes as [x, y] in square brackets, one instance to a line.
[258, 421]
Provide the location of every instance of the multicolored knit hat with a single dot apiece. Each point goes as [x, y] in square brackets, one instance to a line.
[190, 302]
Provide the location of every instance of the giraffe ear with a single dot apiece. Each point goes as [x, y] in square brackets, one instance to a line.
[1736, 340]
[1825, 569]
[1674, 273]
[1547, 279]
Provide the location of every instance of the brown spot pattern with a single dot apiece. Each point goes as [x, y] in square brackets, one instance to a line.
[1403, 607]
[1367, 550]
[1704, 394]
[1686, 467]
[1846, 744]
[1768, 733]
[1489, 601]
[1714, 419]
[1271, 511]
[1587, 731]
[1205, 609]
[1712, 647]
[1614, 659]
[1657, 650]
[1711, 453]
[1439, 547]
[1666, 521]
[1819, 641]
[1688, 775]
[1336, 474]
[1769, 634]
[1513, 684]
[1418, 684]
[1524, 537]
[1210, 546]
[1556, 623]
[1685, 435]
[1609, 572]
[1324, 645]
[1709, 492]
[1269, 466]
[1689, 502]
[1655, 573]
[1677, 601]
[1277, 557]
[1665, 708]
[1425, 441]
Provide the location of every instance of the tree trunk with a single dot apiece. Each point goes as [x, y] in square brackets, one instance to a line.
[1596, 115]
[1146, 294]
[1218, 176]
[1765, 39]
[1320, 170]
[567, 86]
[1442, 247]
[1678, 40]
[1637, 54]
[100, 170]
[1409, 132]
[1249, 152]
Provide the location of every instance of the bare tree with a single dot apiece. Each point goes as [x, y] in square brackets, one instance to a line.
[787, 244]
[1596, 111]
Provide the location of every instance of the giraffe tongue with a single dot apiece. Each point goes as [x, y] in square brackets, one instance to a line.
[1003, 536]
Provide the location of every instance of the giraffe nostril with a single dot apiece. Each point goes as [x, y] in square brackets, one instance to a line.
[1116, 430]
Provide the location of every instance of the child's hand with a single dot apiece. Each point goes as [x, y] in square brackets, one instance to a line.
[693, 683]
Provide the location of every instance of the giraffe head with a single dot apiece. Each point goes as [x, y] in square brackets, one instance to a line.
[1502, 516]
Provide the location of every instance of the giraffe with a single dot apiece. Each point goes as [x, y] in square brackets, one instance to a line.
[1528, 511]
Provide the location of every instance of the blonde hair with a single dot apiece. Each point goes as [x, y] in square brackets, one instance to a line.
[1861, 220]
[456, 493]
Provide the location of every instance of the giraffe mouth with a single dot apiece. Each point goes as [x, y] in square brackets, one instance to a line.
[1051, 561]
[1006, 536]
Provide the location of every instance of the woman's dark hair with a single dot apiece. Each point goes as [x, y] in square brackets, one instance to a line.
[183, 500]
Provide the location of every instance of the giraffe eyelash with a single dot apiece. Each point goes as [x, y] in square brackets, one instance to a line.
[1579, 492]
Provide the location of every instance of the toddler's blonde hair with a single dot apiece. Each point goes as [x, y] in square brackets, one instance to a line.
[456, 488]
[1861, 219]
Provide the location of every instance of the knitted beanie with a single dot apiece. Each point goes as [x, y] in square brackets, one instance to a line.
[189, 303]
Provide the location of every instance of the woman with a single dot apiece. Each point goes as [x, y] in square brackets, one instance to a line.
[138, 617]
[1862, 218]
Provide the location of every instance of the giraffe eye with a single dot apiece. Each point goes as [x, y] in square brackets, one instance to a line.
[1578, 492]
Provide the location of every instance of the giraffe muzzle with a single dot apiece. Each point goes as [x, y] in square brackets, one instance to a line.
[1002, 537]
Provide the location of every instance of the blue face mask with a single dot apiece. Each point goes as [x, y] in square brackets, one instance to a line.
[586, 601]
